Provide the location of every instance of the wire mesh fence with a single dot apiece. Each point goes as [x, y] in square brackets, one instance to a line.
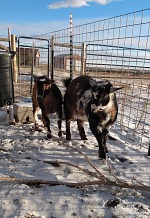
[116, 49]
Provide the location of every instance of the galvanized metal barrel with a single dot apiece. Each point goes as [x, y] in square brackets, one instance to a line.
[6, 84]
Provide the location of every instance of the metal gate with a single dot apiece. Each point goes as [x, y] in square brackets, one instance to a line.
[33, 59]
[129, 68]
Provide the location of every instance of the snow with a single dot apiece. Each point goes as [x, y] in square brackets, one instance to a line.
[24, 104]
[24, 154]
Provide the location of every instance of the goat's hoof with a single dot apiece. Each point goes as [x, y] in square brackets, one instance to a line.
[37, 128]
[106, 149]
[84, 138]
[68, 138]
[49, 136]
[60, 133]
[102, 157]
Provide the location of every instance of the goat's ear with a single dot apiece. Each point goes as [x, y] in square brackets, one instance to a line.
[66, 82]
[52, 81]
[114, 89]
[47, 86]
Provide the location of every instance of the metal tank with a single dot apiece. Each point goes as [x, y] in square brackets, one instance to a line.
[6, 80]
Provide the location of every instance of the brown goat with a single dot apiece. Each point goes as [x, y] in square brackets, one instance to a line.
[88, 100]
[47, 96]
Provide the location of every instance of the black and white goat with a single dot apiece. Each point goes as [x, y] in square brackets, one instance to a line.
[47, 96]
[88, 100]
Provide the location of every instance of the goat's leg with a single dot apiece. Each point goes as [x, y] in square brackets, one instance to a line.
[68, 133]
[105, 135]
[59, 121]
[68, 121]
[47, 125]
[59, 127]
[68, 116]
[44, 122]
[100, 139]
[81, 129]
[35, 112]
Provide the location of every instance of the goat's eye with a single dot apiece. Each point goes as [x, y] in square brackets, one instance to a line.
[105, 100]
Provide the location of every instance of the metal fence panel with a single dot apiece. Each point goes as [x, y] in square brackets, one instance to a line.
[33, 60]
[116, 49]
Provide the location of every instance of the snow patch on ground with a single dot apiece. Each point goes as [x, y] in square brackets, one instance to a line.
[24, 154]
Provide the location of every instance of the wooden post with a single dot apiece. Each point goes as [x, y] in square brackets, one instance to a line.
[14, 60]
[83, 59]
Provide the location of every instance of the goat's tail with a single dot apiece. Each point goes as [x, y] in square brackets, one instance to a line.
[67, 81]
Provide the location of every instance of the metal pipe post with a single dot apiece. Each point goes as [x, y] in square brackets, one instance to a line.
[71, 48]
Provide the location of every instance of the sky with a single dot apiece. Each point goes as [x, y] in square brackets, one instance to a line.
[34, 17]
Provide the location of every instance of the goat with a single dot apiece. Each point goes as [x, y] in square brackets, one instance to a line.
[47, 96]
[88, 100]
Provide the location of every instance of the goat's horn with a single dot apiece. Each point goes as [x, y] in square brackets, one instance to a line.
[114, 89]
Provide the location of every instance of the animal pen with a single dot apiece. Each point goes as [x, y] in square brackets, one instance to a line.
[115, 48]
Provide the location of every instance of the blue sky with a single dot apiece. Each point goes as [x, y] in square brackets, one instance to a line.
[33, 17]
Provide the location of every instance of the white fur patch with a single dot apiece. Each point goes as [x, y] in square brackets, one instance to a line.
[99, 127]
[81, 117]
[82, 105]
[36, 115]
[84, 100]
[107, 108]
[95, 94]
[42, 79]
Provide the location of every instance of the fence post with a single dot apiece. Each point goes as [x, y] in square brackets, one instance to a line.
[32, 66]
[83, 59]
[71, 48]
[9, 39]
[14, 60]
[52, 58]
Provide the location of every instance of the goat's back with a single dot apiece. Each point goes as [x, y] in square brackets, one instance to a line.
[78, 97]
[53, 100]
[77, 87]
